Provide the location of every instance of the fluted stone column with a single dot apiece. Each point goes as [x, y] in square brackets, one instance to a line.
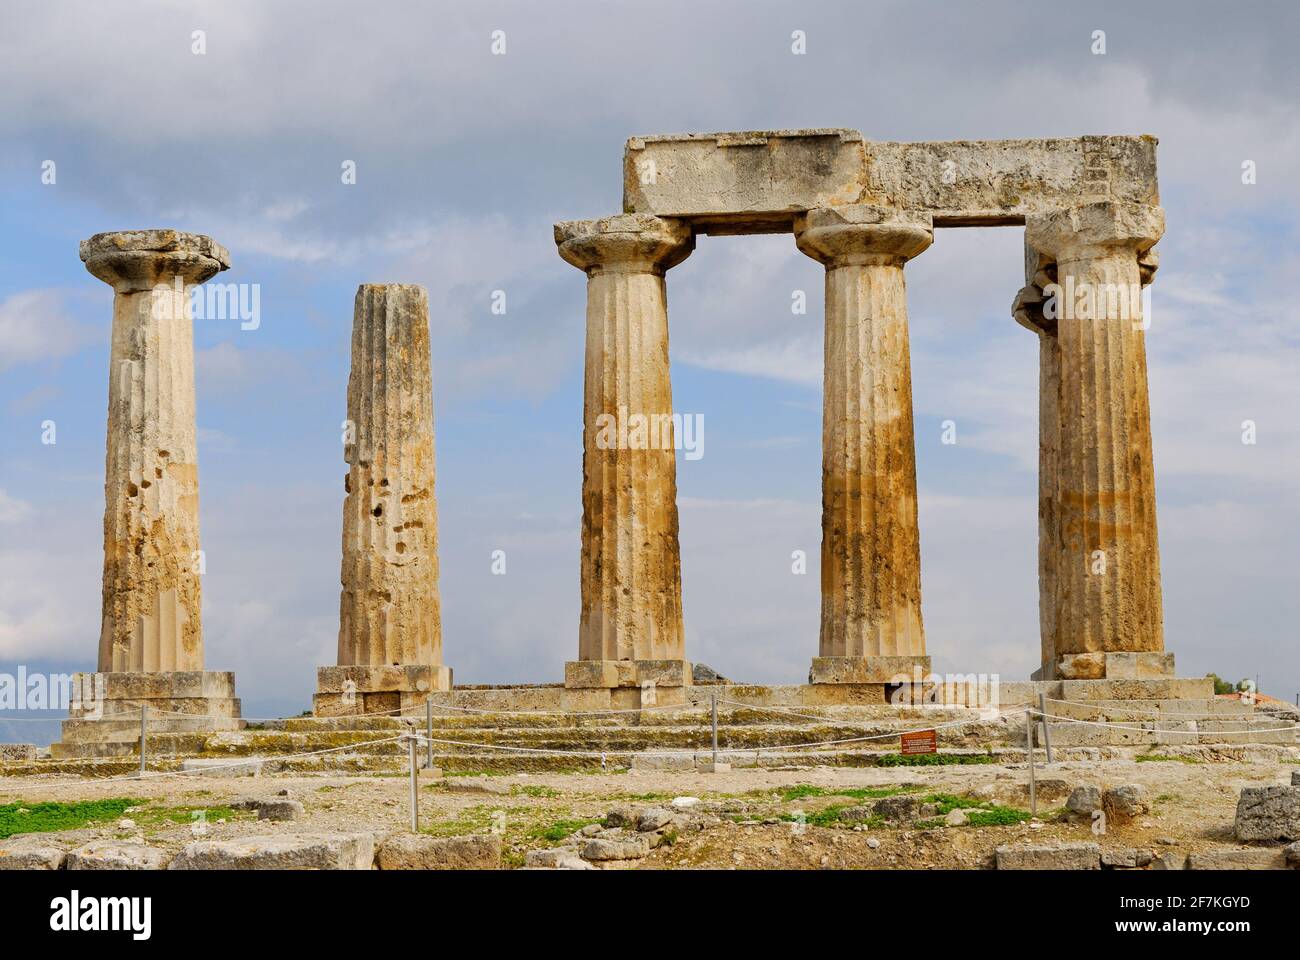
[390, 630]
[151, 613]
[871, 628]
[630, 631]
[151, 636]
[1101, 586]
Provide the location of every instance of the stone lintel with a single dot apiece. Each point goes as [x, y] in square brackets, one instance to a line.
[595, 674]
[888, 670]
[410, 678]
[758, 182]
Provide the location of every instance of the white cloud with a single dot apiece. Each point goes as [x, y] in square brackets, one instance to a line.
[35, 325]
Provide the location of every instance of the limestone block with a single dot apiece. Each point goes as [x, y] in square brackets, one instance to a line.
[555, 858]
[663, 673]
[869, 669]
[1124, 802]
[1268, 813]
[116, 855]
[632, 847]
[1250, 858]
[280, 810]
[301, 851]
[1084, 799]
[585, 674]
[394, 678]
[1125, 858]
[1168, 688]
[31, 851]
[1064, 856]
[166, 685]
[756, 181]
[405, 851]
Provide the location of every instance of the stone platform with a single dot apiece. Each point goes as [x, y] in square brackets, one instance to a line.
[104, 718]
[356, 690]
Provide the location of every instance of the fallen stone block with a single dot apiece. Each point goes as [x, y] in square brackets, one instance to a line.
[406, 851]
[1170, 861]
[115, 855]
[555, 859]
[303, 851]
[30, 851]
[633, 848]
[654, 818]
[1268, 813]
[1066, 856]
[1084, 799]
[622, 817]
[280, 810]
[896, 808]
[957, 817]
[1124, 803]
[1256, 858]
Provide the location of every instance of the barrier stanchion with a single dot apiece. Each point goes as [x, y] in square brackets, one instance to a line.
[1047, 734]
[415, 784]
[428, 726]
[1029, 749]
[715, 730]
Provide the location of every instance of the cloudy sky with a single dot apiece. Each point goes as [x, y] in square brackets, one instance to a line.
[464, 160]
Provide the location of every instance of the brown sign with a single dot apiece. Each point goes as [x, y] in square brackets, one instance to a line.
[922, 741]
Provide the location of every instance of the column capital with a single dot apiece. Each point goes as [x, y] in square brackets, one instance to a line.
[862, 233]
[633, 242]
[1096, 229]
[136, 260]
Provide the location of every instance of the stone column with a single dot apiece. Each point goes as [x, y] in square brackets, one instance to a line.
[390, 629]
[151, 637]
[871, 560]
[151, 486]
[630, 632]
[1104, 580]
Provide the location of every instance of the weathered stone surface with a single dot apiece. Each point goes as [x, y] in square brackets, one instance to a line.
[871, 554]
[1105, 579]
[1124, 802]
[301, 851]
[389, 613]
[1293, 854]
[1268, 813]
[1084, 799]
[631, 606]
[115, 855]
[30, 852]
[17, 751]
[901, 807]
[868, 669]
[631, 848]
[151, 602]
[1065, 856]
[1239, 859]
[556, 858]
[1125, 858]
[477, 785]
[1295, 778]
[758, 181]
[1170, 861]
[280, 810]
[654, 818]
[405, 851]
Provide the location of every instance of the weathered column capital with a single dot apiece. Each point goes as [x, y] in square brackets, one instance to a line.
[1096, 229]
[862, 233]
[635, 242]
[135, 260]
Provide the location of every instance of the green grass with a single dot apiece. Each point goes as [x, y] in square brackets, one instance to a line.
[534, 790]
[1165, 758]
[932, 759]
[803, 790]
[48, 817]
[559, 830]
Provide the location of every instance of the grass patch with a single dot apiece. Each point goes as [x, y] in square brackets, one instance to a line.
[1165, 758]
[977, 815]
[932, 759]
[534, 790]
[49, 817]
[559, 830]
[804, 790]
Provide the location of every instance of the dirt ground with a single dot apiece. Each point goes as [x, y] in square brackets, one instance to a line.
[757, 818]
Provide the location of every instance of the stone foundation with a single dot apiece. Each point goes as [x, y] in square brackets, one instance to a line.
[624, 684]
[352, 691]
[1107, 666]
[104, 719]
[886, 670]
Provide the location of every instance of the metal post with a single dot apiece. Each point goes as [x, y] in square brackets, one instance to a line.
[715, 730]
[1047, 734]
[144, 722]
[415, 786]
[1029, 748]
[428, 726]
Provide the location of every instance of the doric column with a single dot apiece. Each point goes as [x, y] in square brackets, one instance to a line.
[151, 487]
[871, 559]
[1104, 581]
[390, 628]
[631, 567]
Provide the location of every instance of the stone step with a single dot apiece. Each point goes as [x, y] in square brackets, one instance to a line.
[109, 730]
